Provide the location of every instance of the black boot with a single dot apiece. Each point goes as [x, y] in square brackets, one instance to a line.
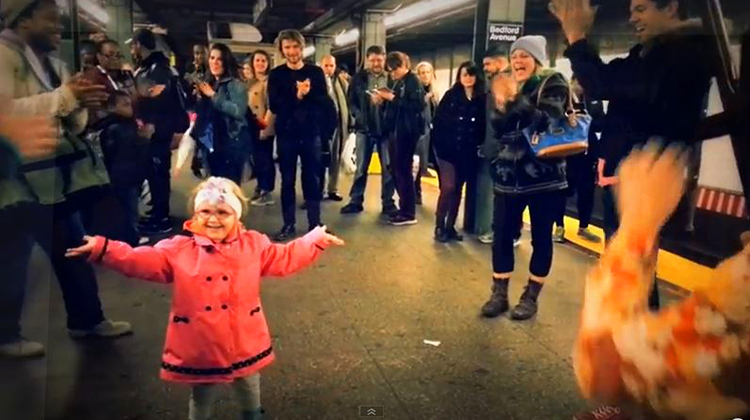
[441, 235]
[527, 305]
[453, 234]
[498, 302]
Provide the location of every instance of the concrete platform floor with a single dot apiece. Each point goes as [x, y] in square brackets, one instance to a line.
[348, 332]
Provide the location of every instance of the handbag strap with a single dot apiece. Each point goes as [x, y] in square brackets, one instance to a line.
[542, 85]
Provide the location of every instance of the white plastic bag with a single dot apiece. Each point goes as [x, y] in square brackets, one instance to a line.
[349, 155]
[186, 147]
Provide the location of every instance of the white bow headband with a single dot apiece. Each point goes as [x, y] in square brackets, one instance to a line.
[218, 190]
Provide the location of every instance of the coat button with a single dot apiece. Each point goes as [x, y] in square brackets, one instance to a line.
[224, 306]
[208, 278]
[225, 278]
[208, 308]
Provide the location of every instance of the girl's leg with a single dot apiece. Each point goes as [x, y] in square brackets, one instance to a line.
[247, 390]
[201, 401]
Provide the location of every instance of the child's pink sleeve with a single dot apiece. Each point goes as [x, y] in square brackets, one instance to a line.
[284, 259]
[144, 262]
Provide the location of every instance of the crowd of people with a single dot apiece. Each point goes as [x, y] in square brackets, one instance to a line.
[115, 129]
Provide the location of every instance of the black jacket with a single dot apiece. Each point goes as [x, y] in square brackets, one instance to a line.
[126, 154]
[361, 107]
[658, 90]
[167, 112]
[404, 116]
[515, 169]
[458, 126]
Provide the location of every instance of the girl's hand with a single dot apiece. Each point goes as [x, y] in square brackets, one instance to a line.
[206, 89]
[83, 250]
[329, 239]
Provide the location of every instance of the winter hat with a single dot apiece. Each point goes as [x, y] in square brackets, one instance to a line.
[11, 9]
[535, 45]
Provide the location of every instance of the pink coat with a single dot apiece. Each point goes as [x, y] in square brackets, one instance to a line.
[217, 329]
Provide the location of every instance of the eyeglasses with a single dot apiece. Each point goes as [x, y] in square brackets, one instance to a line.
[220, 214]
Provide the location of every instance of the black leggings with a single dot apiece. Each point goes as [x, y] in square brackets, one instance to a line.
[581, 174]
[453, 176]
[508, 215]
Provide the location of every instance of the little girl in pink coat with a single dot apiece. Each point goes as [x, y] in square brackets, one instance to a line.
[217, 329]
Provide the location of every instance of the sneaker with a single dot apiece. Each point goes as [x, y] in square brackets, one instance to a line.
[286, 232]
[401, 220]
[487, 238]
[21, 349]
[264, 199]
[603, 413]
[352, 208]
[105, 329]
[559, 235]
[334, 197]
[588, 235]
[256, 195]
[157, 227]
[143, 240]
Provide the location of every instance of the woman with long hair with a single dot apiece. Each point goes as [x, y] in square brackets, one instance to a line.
[459, 126]
[265, 170]
[222, 115]
[529, 98]
[426, 74]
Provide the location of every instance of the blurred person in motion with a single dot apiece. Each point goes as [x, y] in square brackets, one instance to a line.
[263, 148]
[223, 108]
[41, 199]
[368, 111]
[529, 98]
[426, 74]
[404, 124]
[458, 133]
[217, 332]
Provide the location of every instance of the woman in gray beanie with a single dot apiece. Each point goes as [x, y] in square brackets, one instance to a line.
[528, 98]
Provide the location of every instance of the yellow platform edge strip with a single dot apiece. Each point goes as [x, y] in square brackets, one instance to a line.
[670, 267]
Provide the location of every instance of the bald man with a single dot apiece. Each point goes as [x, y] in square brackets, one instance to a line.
[337, 90]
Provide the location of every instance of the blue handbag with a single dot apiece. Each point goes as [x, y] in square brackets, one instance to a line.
[563, 137]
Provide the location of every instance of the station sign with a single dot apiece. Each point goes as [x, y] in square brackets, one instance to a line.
[503, 33]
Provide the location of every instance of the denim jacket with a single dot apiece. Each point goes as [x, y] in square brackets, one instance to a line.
[227, 113]
[515, 169]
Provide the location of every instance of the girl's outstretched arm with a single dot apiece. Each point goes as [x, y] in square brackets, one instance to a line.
[144, 262]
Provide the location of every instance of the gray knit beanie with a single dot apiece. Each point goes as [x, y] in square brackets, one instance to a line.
[535, 45]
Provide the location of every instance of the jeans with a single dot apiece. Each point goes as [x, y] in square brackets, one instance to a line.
[308, 151]
[401, 149]
[54, 233]
[508, 215]
[265, 168]
[159, 178]
[365, 146]
[128, 197]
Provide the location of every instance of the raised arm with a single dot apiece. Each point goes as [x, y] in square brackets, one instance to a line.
[285, 259]
[144, 262]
